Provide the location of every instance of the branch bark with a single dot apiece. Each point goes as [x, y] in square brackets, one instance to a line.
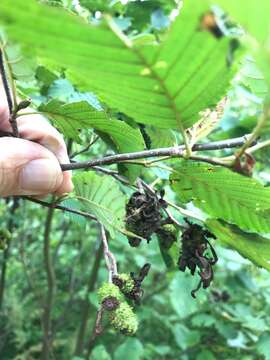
[176, 151]
[11, 100]
[10, 228]
[5, 82]
[47, 325]
[86, 304]
[60, 207]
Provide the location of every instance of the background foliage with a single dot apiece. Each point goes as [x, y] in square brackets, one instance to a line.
[124, 77]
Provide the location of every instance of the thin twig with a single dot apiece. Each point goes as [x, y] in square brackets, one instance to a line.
[184, 211]
[5, 82]
[92, 142]
[48, 264]
[178, 208]
[108, 256]
[213, 161]
[28, 275]
[172, 218]
[62, 319]
[86, 305]
[255, 133]
[97, 330]
[112, 173]
[60, 207]
[259, 146]
[176, 151]
[12, 82]
[11, 225]
[11, 98]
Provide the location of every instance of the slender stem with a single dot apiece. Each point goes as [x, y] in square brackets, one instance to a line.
[255, 134]
[86, 306]
[72, 287]
[172, 218]
[97, 330]
[213, 161]
[60, 207]
[259, 146]
[11, 99]
[86, 148]
[5, 82]
[28, 275]
[108, 255]
[184, 211]
[177, 151]
[47, 325]
[64, 227]
[10, 227]
[12, 82]
[69, 146]
[30, 113]
[112, 173]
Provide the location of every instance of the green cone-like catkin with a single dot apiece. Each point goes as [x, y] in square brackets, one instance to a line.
[109, 290]
[124, 319]
[128, 283]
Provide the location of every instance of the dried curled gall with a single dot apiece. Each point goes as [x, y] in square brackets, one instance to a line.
[144, 215]
[193, 254]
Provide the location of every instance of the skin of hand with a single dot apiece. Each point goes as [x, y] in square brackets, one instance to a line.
[30, 165]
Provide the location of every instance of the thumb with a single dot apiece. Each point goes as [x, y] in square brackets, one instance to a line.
[27, 168]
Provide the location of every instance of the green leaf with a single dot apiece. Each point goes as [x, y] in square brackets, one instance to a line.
[224, 194]
[74, 205]
[45, 76]
[131, 349]
[253, 78]
[254, 18]
[205, 355]
[181, 300]
[251, 246]
[262, 345]
[100, 353]
[203, 320]
[23, 69]
[170, 256]
[160, 137]
[69, 118]
[184, 337]
[138, 80]
[101, 196]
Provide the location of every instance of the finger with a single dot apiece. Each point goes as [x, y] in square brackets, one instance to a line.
[27, 168]
[36, 128]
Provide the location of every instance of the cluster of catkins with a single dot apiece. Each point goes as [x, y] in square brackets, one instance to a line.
[115, 297]
[121, 314]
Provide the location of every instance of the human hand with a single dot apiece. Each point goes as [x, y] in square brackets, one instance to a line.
[29, 165]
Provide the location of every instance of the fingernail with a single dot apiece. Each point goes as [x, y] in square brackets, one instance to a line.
[39, 175]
